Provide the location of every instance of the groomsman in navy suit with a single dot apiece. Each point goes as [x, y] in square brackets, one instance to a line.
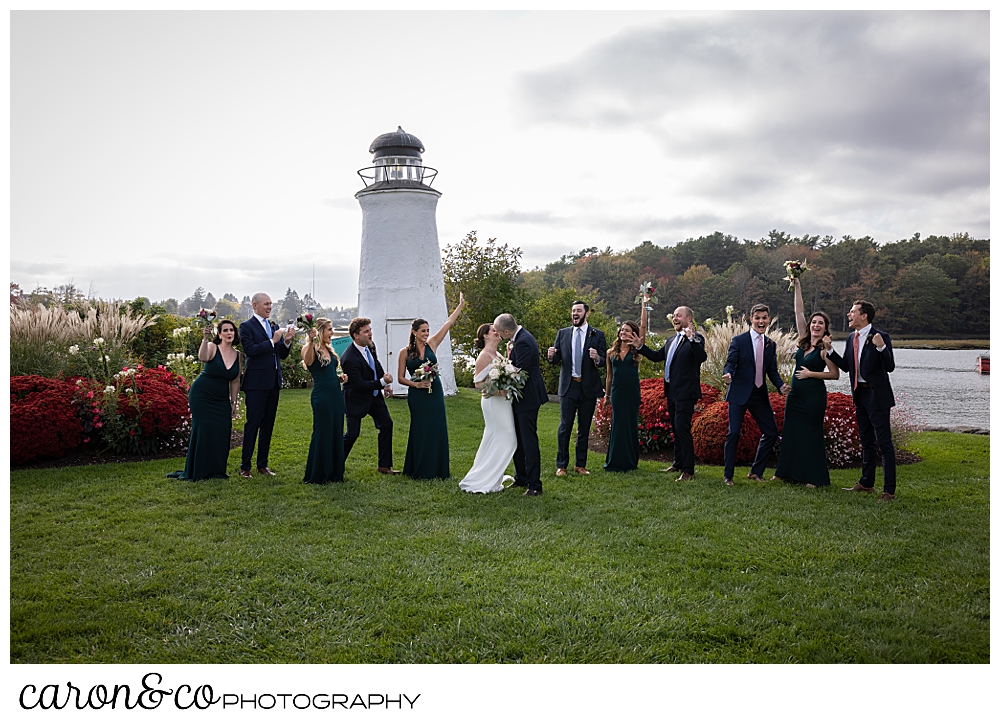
[264, 345]
[582, 351]
[751, 361]
[868, 359]
[366, 384]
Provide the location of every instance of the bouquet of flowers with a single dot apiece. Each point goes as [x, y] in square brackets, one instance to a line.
[208, 315]
[426, 373]
[306, 322]
[504, 377]
[646, 290]
[794, 270]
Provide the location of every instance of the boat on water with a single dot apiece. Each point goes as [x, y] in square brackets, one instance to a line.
[983, 363]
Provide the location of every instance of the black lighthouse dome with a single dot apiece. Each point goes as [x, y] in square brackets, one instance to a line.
[397, 143]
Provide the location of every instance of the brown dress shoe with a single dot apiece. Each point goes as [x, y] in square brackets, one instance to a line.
[859, 488]
[245, 473]
[581, 471]
[685, 476]
[561, 472]
[727, 481]
[388, 471]
[531, 492]
[752, 476]
[887, 497]
[267, 471]
[671, 469]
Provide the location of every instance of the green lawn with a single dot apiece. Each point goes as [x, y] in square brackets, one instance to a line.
[117, 563]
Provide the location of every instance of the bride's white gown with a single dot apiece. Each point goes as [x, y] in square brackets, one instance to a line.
[497, 448]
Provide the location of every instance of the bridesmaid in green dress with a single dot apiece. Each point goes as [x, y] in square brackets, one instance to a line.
[802, 457]
[622, 388]
[212, 398]
[427, 447]
[326, 449]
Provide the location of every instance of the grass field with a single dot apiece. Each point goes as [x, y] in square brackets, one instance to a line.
[116, 563]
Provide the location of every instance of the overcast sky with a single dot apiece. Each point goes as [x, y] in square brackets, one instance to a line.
[155, 152]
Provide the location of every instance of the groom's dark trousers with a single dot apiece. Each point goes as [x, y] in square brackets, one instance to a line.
[527, 458]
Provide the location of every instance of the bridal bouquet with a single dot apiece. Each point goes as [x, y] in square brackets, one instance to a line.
[794, 270]
[426, 373]
[504, 377]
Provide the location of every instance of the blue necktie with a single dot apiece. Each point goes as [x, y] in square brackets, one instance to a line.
[670, 357]
[371, 363]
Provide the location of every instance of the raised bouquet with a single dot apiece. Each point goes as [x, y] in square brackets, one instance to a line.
[504, 377]
[208, 315]
[306, 322]
[794, 270]
[426, 372]
[646, 290]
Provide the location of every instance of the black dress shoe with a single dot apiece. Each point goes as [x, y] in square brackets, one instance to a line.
[516, 484]
[532, 492]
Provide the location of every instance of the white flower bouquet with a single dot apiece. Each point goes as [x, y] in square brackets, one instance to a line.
[504, 377]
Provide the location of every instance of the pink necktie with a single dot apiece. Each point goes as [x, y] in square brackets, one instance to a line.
[856, 372]
[758, 380]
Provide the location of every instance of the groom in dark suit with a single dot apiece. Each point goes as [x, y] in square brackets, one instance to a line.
[366, 383]
[582, 351]
[752, 360]
[523, 354]
[868, 360]
[682, 355]
[265, 346]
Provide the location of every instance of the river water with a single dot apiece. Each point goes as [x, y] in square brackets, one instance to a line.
[941, 385]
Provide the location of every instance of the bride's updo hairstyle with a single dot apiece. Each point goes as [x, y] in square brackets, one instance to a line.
[411, 348]
[481, 333]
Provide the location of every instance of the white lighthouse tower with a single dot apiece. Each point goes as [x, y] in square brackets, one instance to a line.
[400, 278]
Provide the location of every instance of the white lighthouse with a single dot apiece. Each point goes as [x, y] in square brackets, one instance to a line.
[400, 277]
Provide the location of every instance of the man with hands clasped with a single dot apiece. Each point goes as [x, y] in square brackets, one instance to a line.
[752, 360]
[581, 350]
[682, 356]
[264, 345]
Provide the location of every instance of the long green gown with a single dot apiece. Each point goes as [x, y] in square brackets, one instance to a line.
[211, 421]
[326, 449]
[623, 445]
[427, 446]
[802, 457]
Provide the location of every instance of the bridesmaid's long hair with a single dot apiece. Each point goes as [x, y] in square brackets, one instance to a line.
[805, 341]
[321, 324]
[617, 346]
[411, 348]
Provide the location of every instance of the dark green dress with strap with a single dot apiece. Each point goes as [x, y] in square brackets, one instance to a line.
[326, 449]
[802, 456]
[211, 421]
[427, 446]
[623, 444]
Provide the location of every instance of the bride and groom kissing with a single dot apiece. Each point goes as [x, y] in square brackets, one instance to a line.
[511, 426]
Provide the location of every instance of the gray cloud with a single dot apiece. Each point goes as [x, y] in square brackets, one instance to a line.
[542, 218]
[850, 98]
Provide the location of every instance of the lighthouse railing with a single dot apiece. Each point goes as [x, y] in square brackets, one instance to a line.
[414, 174]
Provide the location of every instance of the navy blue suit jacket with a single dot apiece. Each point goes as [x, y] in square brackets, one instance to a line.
[590, 376]
[262, 356]
[685, 367]
[524, 355]
[741, 363]
[875, 369]
[361, 380]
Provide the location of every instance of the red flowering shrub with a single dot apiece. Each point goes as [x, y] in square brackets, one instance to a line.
[711, 426]
[43, 422]
[655, 429]
[840, 427]
[145, 410]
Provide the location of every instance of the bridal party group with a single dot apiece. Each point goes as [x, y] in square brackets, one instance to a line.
[354, 385]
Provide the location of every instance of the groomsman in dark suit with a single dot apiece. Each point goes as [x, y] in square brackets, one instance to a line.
[752, 360]
[582, 351]
[868, 359]
[366, 383]
[264, 345]
[682, 356]
[523, 354]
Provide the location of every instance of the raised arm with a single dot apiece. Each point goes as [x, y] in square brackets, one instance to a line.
[436, 338]
[800, 310]
[643, 324]
[308, 351]
[206, 352]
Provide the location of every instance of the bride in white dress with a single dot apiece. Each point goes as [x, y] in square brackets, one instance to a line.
[499, 440]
